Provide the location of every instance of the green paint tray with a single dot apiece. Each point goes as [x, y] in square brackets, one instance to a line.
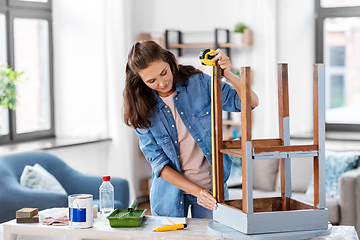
[133, 219]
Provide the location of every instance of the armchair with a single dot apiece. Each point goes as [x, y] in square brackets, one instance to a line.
[14, 196]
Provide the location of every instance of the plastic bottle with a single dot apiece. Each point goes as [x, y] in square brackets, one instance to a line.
[106, 192]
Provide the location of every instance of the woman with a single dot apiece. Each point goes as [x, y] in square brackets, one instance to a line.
[169, 106]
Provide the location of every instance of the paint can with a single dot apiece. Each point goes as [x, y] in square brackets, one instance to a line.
[80, 210]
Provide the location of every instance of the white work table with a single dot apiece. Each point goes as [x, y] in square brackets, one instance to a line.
[197, 229]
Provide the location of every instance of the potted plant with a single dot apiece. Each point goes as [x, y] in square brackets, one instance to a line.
[8, 79]
[238, 33]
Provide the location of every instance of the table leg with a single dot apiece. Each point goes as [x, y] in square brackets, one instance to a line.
[7, 233]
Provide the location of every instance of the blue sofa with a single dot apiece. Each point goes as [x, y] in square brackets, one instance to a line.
[13, 196]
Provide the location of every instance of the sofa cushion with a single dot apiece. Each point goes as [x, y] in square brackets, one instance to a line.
[336, 163]
[36, 177]
[301, 173]
[264, 173]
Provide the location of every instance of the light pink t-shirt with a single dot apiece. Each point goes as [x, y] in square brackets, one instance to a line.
[194, 166]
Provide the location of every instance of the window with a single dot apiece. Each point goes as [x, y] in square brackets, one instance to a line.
[25, 45]
[33, 0]
[4, 113]
[338, 47]
[339, 3]
[32, 56]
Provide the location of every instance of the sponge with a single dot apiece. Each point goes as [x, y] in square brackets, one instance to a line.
[27, 215]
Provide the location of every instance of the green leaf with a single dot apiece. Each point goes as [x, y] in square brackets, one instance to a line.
[240, 28]
[8, 78]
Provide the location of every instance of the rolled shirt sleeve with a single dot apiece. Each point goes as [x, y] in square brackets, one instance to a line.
[230, 99]
[153, 153]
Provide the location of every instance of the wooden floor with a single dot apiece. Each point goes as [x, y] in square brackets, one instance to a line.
[145, 205]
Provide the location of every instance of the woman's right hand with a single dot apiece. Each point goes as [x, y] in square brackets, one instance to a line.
[206, 200]
[204, 197]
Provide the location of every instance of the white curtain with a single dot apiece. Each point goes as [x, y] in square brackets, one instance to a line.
[124, 146]
[90, 48]
[79, 69]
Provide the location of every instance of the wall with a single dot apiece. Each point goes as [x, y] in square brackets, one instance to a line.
[296, 46]
[190, 16]
[90, 159]
[80, 72]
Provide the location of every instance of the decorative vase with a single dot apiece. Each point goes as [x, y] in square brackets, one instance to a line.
[237, 38]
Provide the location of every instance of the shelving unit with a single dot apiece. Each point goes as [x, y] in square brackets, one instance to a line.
[216, 44]
[208, 45]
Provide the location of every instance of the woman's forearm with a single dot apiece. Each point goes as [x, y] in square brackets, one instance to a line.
[179, 181]
[204, 197]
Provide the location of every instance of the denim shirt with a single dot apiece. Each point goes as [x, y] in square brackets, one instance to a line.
[160, 145]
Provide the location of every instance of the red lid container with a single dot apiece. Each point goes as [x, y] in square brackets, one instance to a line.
[106, 178]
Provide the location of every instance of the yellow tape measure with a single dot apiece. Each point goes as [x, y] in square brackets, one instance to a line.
[205, 59]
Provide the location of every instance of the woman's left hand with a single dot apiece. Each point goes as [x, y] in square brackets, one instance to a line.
[205, 199]
[223, 61]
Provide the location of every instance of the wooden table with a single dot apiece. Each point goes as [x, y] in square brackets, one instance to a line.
[197, 229]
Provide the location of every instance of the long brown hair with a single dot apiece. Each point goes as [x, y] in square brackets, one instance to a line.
[139, 99]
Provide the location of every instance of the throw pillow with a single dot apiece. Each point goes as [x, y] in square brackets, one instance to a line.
[336, 163]
[36, 177]
[235, 178]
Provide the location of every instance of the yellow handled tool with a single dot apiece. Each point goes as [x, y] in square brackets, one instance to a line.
[170, 227]
[205, 59]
